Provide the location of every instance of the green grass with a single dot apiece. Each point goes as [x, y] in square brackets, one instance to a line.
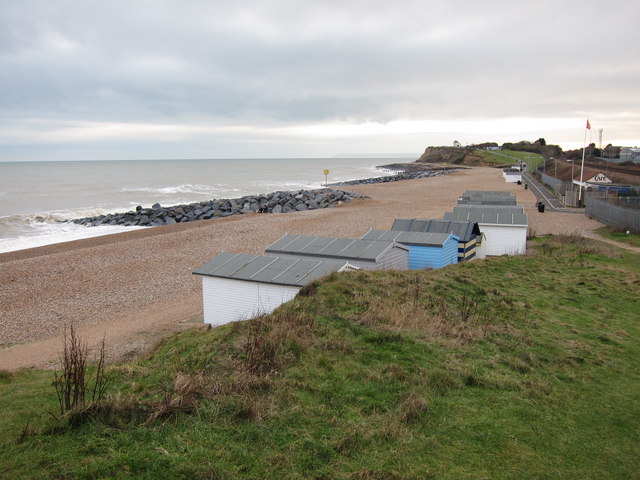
[513, 367]
[503, 157]
[624, 237]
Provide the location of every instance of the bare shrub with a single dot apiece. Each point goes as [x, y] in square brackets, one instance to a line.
[468, 306]
[275, 340]
[26, 432]
[72, 382]
[260, 350]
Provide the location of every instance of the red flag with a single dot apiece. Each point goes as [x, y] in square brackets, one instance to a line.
[588, 125]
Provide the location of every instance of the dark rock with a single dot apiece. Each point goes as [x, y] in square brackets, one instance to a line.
[277, 202]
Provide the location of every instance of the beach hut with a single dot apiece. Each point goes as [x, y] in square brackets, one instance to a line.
[479, 197]
[504, 228]
[468, 233]
[366, 254]
[426, 250]
[512, 175]
[237, 286]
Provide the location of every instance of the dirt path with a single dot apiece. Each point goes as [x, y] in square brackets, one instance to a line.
[593, 235]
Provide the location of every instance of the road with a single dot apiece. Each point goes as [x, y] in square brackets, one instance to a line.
[551, 203]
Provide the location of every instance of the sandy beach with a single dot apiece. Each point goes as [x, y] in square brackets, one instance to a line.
[136, 287]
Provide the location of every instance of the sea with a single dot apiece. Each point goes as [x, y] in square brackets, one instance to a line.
[37, 197]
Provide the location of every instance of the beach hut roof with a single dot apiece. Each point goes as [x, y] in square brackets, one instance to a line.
[488, 193]
[479, 197]
[464, 230]
[410, 238]
[494, 215]
[332, 247]
[264, 269]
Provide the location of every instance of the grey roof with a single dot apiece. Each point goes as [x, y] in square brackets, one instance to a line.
[480, 197]
[422, 239]
[493, 215]
[340, 248]
[489, 193]
[275, 270]
[464, 230]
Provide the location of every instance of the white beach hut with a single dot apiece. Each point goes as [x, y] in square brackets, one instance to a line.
[512, 175]
[237, 286]
[504, 227]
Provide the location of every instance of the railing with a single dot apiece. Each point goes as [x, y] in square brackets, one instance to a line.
[622, 213]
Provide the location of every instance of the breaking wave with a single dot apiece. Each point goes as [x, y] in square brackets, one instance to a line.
[175, 189]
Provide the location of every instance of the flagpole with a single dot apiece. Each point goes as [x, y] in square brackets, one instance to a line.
[584, 149]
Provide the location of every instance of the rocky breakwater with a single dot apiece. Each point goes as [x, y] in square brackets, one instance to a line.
[277, 202]
[401, 175]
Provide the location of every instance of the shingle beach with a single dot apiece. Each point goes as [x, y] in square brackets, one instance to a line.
[135, 287]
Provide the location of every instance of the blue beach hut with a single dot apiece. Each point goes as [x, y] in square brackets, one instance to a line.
[468, 233]
[426, 250]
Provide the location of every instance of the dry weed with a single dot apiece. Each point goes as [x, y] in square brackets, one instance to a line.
[412, 408]
[382, 313]
[585, 246]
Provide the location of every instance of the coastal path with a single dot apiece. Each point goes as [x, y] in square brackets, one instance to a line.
[542, 195]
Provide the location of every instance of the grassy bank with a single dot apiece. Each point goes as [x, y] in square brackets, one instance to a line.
[514, 367]
[632, 239]
[533, 160]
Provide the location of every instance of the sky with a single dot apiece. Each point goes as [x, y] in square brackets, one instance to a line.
[136, 79]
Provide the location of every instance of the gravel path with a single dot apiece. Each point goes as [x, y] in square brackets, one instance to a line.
[138, 285]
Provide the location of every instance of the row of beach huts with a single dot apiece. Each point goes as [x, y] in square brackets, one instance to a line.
[237, 286]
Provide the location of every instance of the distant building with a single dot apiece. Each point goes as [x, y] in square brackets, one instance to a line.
[512, 175]
[628, 154]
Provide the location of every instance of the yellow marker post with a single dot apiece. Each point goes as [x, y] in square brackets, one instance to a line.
[326, 173]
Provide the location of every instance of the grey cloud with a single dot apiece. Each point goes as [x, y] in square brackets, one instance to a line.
[277, 62]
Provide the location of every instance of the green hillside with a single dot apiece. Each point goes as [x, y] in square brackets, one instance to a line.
[513, 367]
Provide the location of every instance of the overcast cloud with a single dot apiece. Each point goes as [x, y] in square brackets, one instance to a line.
[183, 79]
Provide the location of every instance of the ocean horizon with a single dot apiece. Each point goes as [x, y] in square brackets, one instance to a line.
[37, 197]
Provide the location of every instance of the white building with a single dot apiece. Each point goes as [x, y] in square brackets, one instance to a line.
[504, 227]
[512, 175]
[237, 286]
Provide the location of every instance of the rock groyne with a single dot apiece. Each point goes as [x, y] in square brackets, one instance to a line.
[276, 202]
[401, 175]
